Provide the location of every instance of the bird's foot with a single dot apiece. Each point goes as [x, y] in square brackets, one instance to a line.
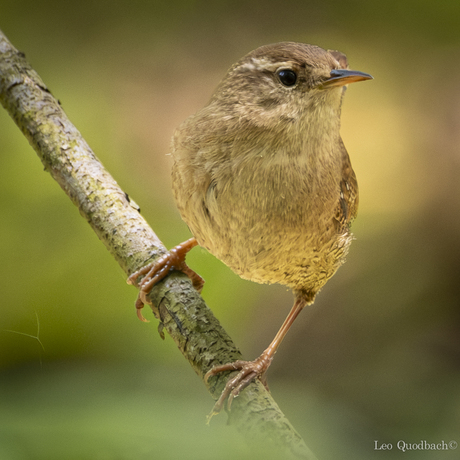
[248, 371]
[156, 271]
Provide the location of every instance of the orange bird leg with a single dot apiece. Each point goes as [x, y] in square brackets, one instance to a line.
[249, 370]
[156, 271]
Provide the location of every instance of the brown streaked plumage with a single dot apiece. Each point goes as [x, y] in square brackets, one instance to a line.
[264, 182]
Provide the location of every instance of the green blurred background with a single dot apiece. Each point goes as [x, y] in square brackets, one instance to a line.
[375, 359]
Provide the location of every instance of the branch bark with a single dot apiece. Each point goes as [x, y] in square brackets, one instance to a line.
[118, 224]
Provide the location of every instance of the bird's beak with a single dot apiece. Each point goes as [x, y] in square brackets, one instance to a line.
[341, 77]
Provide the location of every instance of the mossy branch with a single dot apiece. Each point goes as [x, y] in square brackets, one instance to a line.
[119, 225]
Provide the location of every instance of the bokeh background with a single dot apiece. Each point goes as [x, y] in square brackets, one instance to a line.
[376, 359]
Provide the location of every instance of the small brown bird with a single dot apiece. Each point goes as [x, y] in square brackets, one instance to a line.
[264, 182]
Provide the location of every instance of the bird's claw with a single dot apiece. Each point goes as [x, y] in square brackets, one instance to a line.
[156, 271]
[248, 371]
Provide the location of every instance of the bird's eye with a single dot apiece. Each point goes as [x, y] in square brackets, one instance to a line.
[287, 77]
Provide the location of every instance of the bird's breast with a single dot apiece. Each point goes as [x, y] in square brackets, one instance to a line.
[272, 221]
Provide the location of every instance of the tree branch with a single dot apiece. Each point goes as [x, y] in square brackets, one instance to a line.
[119, 225]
